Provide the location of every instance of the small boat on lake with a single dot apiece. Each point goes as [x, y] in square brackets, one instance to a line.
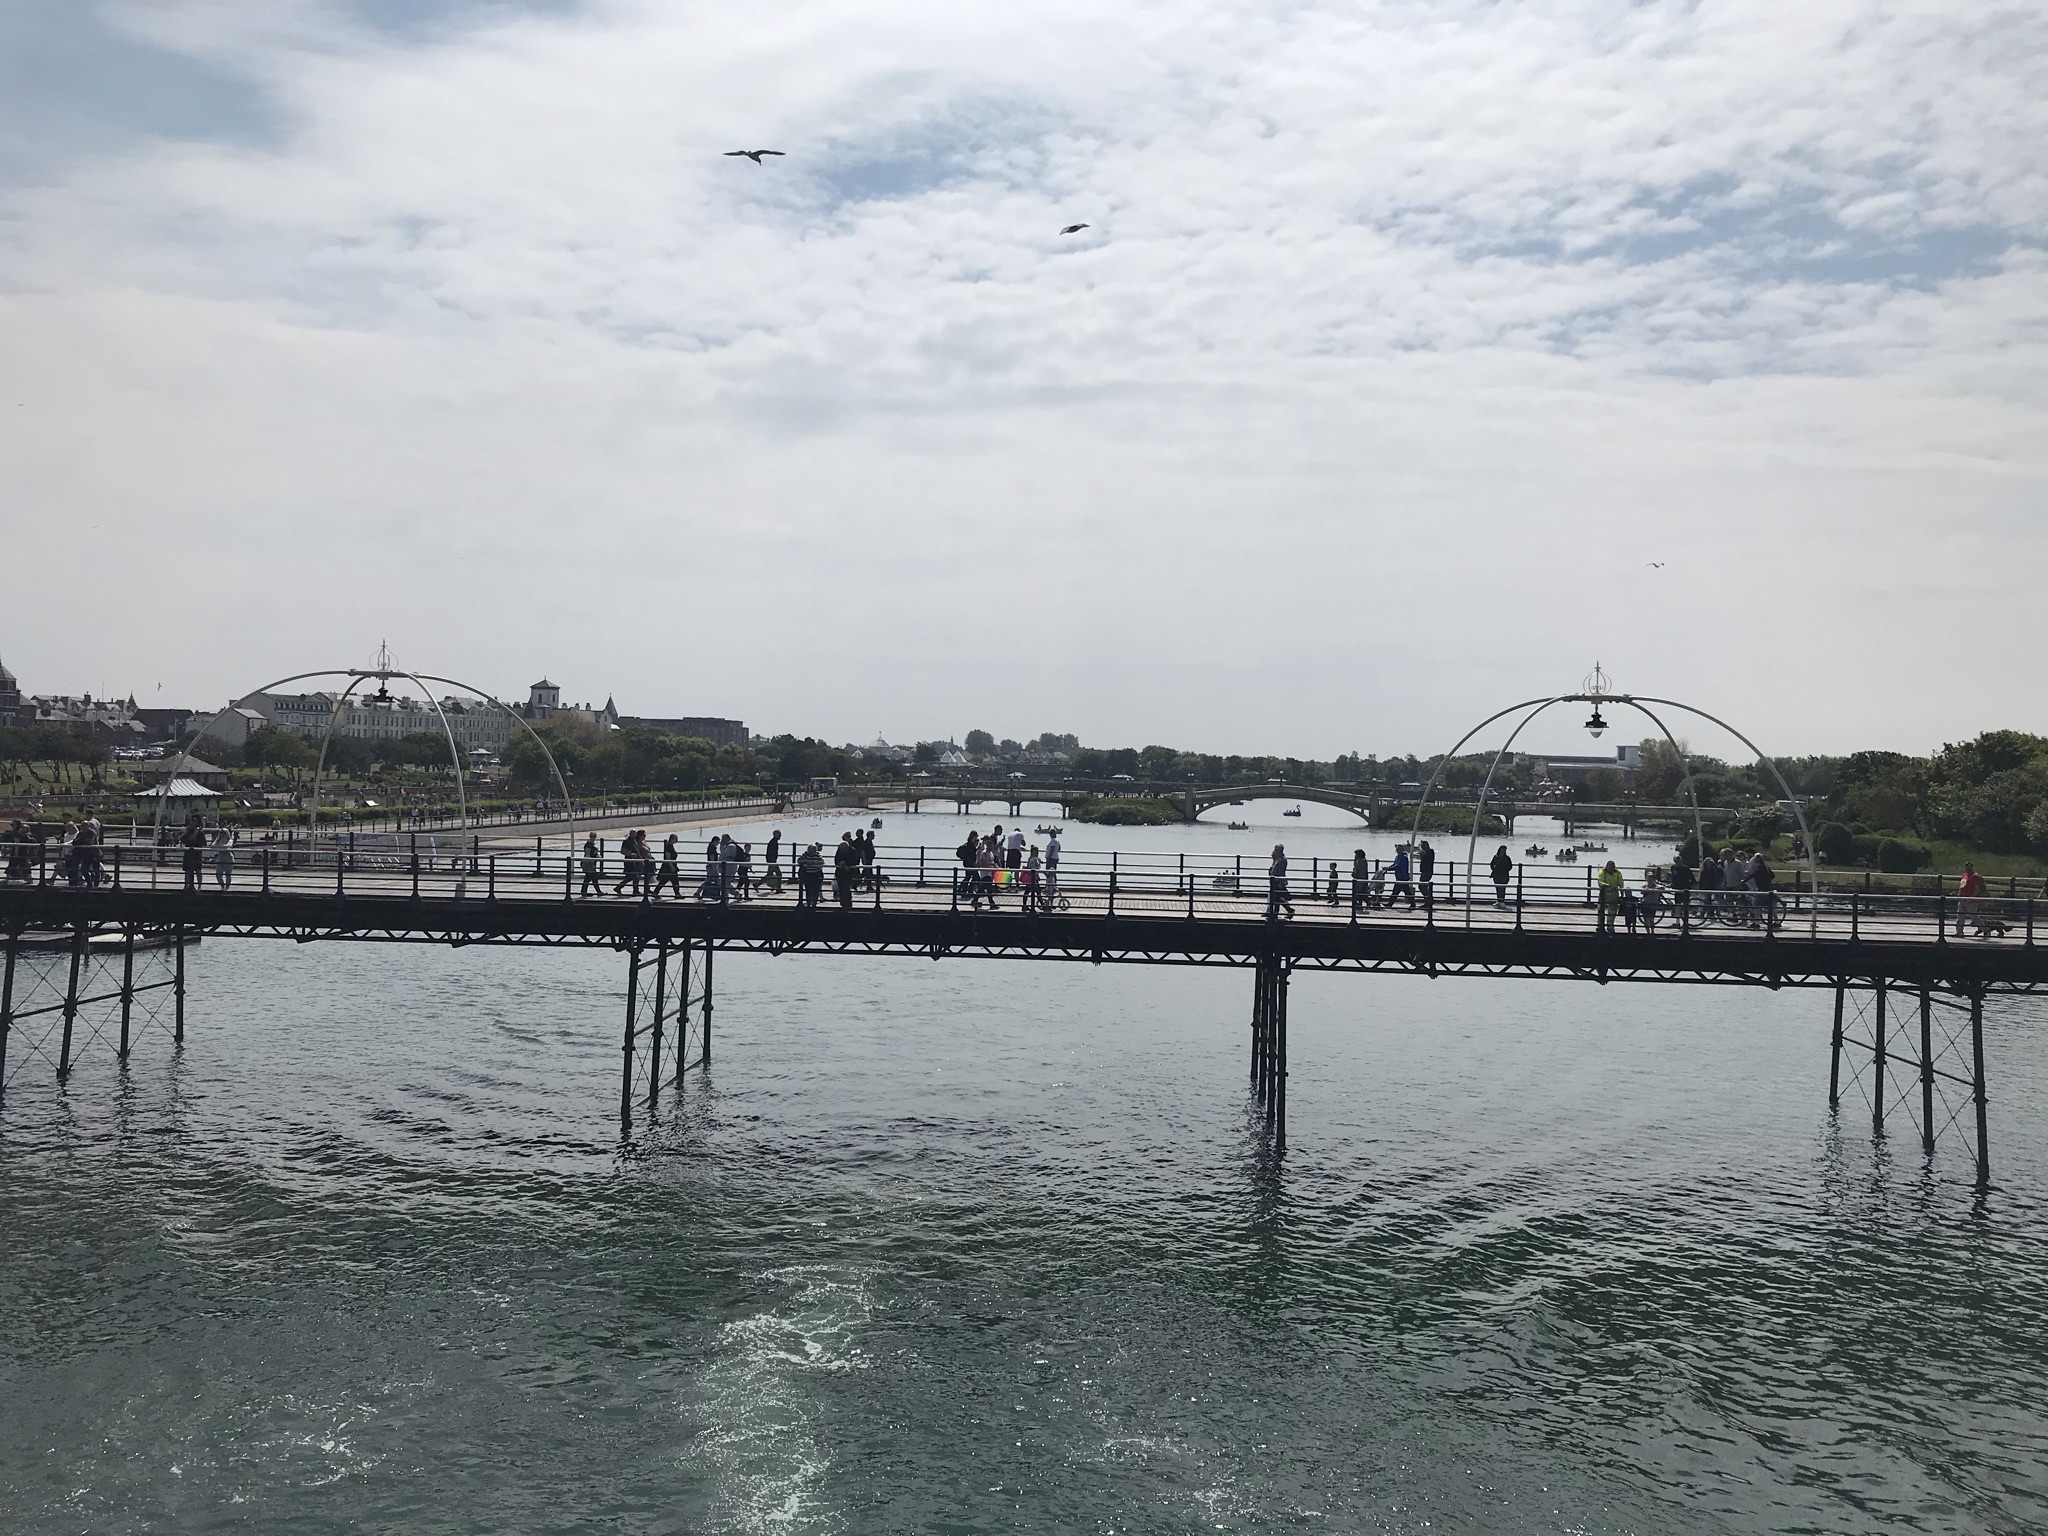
[1295, 812]
[1240, 826]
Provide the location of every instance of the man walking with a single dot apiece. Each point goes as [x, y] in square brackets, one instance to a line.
[1402, 886]
[671, 874]
[593, 867]
[1276, 885]
[1426, 862]
[775, 862]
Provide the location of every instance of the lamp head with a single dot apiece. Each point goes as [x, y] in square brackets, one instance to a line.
[1596, 725]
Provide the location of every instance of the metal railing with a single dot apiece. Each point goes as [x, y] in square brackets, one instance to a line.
[1107, 885]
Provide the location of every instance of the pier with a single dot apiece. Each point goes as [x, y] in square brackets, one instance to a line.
[1910, 976]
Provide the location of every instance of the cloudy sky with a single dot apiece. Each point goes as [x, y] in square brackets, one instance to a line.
[1417, 355]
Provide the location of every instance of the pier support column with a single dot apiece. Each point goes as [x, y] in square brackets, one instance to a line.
[1927, 1069]
[1269, 1044]
[178, 986]
[705, 1059]
[1977, 1085]
[632, 1010]
[660, 1007]
[1878, 1044]
[683, 1011]
[1835, 1048]
[7, 1004]
[71, 1001]
[127, 988]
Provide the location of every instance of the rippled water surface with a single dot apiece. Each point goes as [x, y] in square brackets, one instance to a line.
[992, 1246]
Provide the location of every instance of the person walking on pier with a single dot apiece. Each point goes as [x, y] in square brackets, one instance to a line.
[1052, 865]
[1610, 885]
[775, 861]
[1764, 883]
[1016, 847]
[1652, 898]
[1502, 869]
[869, 880]
[18, 842]
[1402, 886]
[845, 865]
[1681, 893]
[1710, 885]
[1734, 880]
[1969, 899]
[671, 873]
[810, 877]
[193, 842]
[1034, 896]
[629, 864]
[965, 853]
[745, 860]
[1276, 885]
[223, 857]
[593, 867]
[1425, 869]
[986, 862]
[1361, 874]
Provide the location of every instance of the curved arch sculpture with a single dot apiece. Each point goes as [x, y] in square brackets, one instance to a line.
[1641, 704]
[383, 673]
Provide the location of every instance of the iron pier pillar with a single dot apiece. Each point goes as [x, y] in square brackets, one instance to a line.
[705, 1059]
[7, 1005]
[1835, 1049]
[626, 1048]
[1877, 1035]
[1269, 1044]
[1927, 1069]
[178, 986]
[660, 1007]
[127, 985]
[71, 1001]
[1977, 1085]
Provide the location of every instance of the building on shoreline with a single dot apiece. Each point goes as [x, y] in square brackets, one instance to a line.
[475, 724]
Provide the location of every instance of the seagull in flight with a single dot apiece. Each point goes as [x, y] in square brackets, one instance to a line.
[1073, 229]
[1656, 565]
[752, 154]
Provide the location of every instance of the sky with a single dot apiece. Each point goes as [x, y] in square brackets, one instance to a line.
[1416, 356]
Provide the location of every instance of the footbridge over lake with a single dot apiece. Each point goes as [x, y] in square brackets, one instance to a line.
[1374, 807]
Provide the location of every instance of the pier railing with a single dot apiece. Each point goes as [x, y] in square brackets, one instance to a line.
[1104, 884]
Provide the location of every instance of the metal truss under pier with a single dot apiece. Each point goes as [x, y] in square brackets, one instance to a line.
[671, 948]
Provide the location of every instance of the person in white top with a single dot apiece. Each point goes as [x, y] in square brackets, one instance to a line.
[1052, 864]
[1016, 847]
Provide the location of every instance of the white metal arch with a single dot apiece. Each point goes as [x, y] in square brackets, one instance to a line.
[358, 676]
[1640, 704]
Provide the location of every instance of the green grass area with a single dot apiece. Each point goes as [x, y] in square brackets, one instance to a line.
[1120, 811]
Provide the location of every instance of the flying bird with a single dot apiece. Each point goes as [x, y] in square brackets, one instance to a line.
[752, 154]
[1656, 565]
[1073, 229]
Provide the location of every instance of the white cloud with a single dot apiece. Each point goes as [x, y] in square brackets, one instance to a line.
[1403, 337]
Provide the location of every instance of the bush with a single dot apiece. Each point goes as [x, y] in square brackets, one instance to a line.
[1835, 843]
[1896, 857]
[1127, 812]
